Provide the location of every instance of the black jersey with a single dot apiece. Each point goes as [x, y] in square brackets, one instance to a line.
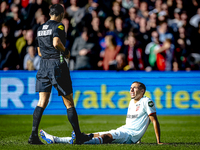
[45, 35]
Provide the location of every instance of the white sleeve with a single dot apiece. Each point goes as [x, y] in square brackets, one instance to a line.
[150, 106]
[147, 49]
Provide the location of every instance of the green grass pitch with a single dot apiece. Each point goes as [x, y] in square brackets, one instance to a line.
[181, 132]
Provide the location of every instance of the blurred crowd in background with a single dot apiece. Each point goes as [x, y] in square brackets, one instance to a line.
[118, 35]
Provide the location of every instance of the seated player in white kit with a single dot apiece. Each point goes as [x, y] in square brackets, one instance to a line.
[141, 112]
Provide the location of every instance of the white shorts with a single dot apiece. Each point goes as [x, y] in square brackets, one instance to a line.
[120, 136]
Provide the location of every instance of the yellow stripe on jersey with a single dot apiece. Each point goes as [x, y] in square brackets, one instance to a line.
[61, 27]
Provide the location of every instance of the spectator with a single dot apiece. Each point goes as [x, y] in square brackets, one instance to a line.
[82, 51]
[179, 4]
[21, 41]
[185, 22]
[143, 34]
[184, 18]
[182, 34]
[181, 55]
[157, 9]
[165, 56]
[39, 20]
[171, 7]
[134, 54]
[3, 11]
[136, 4]
[152, 22]
[29, 13]
[16, 21]
[109, 24]
[165, 9]
[31, 60]
[176, 22]
[97, 30]
[143, 11]
[110, 53]
[93, 9]
[6, 31]
[8, 55]
[164, 32]
[131, 21]
[75, 12]
[150, 56]
[44, 6]
[119, 30]
[29, 37]
[120, 63]
[117, 11]
[68, 34]
[89, 6]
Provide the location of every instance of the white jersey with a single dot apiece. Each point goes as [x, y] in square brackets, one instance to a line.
[137, 119]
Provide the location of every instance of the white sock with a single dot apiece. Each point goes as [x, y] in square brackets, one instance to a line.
[62, 139]
[96, 140]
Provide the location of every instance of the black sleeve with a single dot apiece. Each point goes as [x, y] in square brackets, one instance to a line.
[59, 30]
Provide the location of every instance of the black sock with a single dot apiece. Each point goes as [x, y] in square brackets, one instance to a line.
[73, 119]
[36, 120]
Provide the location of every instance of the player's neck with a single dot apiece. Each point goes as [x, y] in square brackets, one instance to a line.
[55, 18]
[136, 100]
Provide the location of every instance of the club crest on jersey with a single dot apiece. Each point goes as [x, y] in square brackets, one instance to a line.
[150, 103]
[61, 27]
[137, 107]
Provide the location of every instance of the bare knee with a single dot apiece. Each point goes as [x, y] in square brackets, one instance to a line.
[43, 103]
[107, 138]
[68, 101]
[43, 99]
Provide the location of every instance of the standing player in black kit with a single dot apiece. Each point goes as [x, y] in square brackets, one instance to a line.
[54, 72]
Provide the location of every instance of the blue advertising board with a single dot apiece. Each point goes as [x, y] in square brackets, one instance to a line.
[104, 92]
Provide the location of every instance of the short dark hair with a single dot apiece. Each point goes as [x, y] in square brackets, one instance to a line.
[56, 9]
[141, 85]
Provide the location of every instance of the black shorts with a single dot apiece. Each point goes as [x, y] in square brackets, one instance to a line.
[52, 73]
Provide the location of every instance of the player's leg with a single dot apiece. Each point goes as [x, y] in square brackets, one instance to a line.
[103, 139]
[71, 113]
[73, 119]
[61, 80]
[119, 136]
[51, 139]
[43, 101]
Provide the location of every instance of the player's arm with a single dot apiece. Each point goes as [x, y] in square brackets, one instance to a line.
[38, 48]
[156, 126]
[166, 45]
[39, 53]
[59, 46]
